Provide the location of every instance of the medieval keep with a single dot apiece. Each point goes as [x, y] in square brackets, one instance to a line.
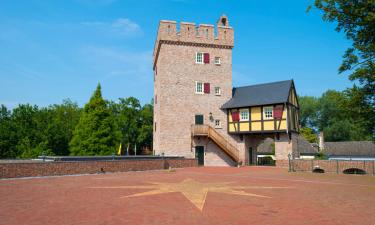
[197, 112]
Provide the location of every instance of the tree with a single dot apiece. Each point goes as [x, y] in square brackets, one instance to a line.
[309, 135]
[62, 119]
[146, 121]
[6, 142]
[308, 110]
[96, 132]
[356, 18]
[127, 113]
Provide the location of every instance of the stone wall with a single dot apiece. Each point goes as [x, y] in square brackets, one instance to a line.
[35, 169]
[333, 166]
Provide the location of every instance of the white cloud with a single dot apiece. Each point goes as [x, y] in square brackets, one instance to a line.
[126, 25]
[120, 27]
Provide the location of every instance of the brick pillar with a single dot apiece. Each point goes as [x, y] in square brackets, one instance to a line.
[285, 146]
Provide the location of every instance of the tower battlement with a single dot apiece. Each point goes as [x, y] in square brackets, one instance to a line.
[191, 34]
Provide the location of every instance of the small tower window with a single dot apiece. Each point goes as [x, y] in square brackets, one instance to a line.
[217, 124]
[217, 61]
[199, 57]
[206, 33]
[217, 91]
[198, 87]
[224, 21]
[169, 29]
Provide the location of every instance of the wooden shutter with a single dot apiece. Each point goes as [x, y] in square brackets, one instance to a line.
[206, 88]
[206, 58]
[235, 116]
[278, 112]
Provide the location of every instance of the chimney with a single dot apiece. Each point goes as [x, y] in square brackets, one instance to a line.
[321, 141]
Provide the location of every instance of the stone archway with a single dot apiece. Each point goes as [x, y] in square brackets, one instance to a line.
[354, 171]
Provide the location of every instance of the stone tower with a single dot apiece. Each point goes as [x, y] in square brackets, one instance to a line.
[192, 77]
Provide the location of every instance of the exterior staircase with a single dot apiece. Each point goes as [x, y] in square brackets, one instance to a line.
[208, 131]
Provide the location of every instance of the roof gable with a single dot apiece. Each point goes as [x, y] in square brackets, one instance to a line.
[260, 94]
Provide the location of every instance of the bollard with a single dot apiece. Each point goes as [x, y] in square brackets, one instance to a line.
[337, 166]
[289, 163]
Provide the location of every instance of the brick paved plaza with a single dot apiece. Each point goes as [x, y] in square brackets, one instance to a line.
[247, 195]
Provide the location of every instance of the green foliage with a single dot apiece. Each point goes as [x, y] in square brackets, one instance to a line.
[135, 122]
[308, 111]
[321, 155]
[96, 132]
[357, 20]
[61, 124]
[309, 134]
[29, 131]
[342, 116]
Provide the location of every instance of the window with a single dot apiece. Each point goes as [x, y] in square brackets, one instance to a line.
[202, 58]
[199, 57]
[244, 115]
[217, 91]
[217, 124]
[198, 87]
[155, 126]
[217, 61]
[267, 112]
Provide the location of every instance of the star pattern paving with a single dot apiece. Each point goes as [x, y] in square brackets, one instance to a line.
[193, 190]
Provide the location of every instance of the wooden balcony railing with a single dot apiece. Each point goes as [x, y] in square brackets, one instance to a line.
[225, 145]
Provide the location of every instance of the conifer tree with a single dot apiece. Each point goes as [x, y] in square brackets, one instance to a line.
[96, 132]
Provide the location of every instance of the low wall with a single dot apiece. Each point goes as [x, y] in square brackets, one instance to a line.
[35, 169]
[282, 163]
[332, 166]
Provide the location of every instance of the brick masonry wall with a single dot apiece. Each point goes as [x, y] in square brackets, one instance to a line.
[15, 170]
[282, 163]
[174, 85]
[333, 166]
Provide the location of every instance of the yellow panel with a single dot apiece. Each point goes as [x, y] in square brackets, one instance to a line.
[292, 97]
[231, 128]
[283, 125]
[255, 113]
[256, 126]
[244, 127]
[230, 115]
[284, 113]
[268, 125]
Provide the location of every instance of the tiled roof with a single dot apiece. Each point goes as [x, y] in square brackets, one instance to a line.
[350, 148]
[260, 94]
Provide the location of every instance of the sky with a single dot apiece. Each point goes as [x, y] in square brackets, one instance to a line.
[54, 50]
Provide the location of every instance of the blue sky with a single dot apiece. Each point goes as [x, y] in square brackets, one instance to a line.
[53, 50]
